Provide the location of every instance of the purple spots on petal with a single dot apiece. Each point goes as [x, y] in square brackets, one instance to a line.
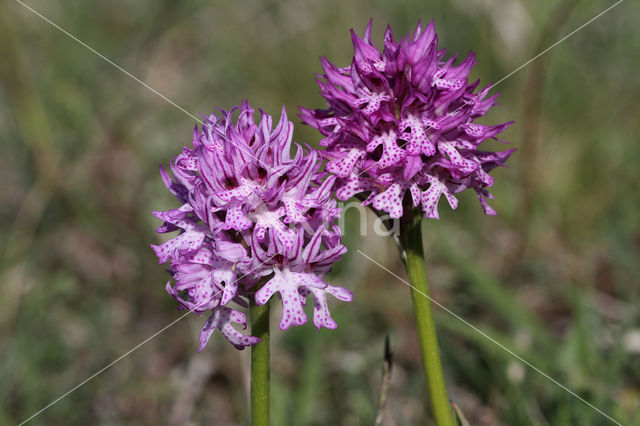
[343, 166]
[390, 200]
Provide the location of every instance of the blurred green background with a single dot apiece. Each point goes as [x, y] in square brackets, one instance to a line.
[554, 277]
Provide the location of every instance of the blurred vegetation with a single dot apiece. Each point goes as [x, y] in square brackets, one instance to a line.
[554, 277]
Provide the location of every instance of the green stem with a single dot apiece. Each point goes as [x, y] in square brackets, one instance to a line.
[260, 388]
[411, 237]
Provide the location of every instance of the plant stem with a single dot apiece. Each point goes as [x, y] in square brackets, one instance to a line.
[260, 384]
[411, 237]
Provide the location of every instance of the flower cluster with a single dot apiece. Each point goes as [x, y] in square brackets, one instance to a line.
[253, 221]
[403, 121]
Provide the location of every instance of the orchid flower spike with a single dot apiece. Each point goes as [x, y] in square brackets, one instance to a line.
[254, 221]
[402, 122]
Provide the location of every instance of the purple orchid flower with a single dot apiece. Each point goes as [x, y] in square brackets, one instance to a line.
[251, 213]
[402, 121]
